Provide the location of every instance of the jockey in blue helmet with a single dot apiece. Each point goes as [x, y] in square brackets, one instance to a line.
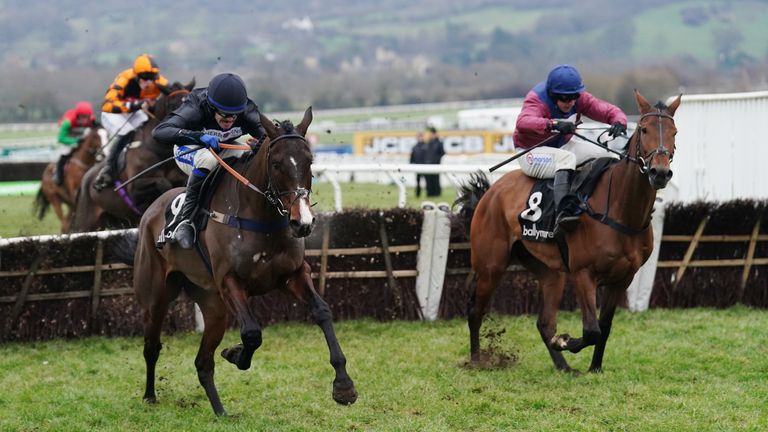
[555, 106]
[220, 113]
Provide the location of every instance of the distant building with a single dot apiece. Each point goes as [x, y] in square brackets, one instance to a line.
[498, 119]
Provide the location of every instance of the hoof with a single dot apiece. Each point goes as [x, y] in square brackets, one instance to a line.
[233, 355]
[344, 392]
[151, 400]
[560, 343]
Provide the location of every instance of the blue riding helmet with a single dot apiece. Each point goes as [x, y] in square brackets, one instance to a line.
[226, 93]
[564, 79]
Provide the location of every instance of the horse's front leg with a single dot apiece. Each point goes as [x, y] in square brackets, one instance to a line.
[235, 294]
[613, 295]
[585, 291]
[301, 286]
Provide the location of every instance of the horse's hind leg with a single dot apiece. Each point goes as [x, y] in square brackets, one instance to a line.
[487, 279]
[155, 307]
[215, 318]
[250, 331]
[301, 286]
[489, 268]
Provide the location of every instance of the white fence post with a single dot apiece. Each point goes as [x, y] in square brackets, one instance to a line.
[639, 291]
[432, 257]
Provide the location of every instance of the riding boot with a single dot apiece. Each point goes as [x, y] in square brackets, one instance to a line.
[566, 203]
[58, 173]
[184, 234]
[106, 176]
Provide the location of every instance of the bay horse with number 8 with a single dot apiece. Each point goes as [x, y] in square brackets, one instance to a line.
[262, 250]
[603, 254]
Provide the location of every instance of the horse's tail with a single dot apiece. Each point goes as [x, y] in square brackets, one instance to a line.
[41, 204]
[469, 195]
[125, 248]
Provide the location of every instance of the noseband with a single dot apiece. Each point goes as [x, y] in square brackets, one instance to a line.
[661, 150]
[272, 195]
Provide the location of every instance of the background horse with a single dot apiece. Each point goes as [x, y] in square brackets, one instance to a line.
[604, 254]
[51, 194]
[99, 209]
[256, 248]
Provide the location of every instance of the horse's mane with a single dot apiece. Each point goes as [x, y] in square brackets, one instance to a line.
[286, 126]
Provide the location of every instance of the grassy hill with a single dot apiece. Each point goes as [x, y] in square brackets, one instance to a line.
[343, 53]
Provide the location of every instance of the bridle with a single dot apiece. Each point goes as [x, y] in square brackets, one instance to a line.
[645, 161]
[272, 195]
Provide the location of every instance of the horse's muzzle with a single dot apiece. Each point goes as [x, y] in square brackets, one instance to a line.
[301, 229]
[659, 176]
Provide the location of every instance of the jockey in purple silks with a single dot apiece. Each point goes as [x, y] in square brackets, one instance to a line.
[555, 106]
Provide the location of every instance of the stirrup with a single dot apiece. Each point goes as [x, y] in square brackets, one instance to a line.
[565, 223]
[184, 241]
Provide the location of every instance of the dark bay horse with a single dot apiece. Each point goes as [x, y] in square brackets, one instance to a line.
[244, 262]
[600, 255]
[52, 194]
[99, 209]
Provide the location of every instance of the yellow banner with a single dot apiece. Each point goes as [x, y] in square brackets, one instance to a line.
[454, 142]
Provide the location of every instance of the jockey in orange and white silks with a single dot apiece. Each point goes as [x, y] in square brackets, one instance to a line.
[219, 113]
[554, 107]
[133, 89]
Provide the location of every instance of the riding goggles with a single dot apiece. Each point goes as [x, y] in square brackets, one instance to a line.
[563, 97]
[223, 114]
[147, 76]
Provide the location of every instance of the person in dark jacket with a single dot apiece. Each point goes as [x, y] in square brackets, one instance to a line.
[219, 113]
[434, 155]
[418, 156]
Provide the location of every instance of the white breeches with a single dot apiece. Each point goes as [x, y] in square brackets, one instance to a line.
[543, 162]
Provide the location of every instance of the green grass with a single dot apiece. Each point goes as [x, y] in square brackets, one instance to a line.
[665, 370]
[17, 219]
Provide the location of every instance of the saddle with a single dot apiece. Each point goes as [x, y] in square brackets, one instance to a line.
[538, 219]
[199, 218]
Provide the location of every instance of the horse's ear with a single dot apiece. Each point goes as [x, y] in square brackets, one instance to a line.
[304, 125]
[673, 106]
[191, 85]
[163, 89]
[642, 103]
[268, 126]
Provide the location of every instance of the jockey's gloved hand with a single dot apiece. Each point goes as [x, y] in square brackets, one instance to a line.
[617, 129]
[210, 142]
[564, 126]
[133, 105]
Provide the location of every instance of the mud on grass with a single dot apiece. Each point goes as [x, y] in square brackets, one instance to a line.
[493, 352]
